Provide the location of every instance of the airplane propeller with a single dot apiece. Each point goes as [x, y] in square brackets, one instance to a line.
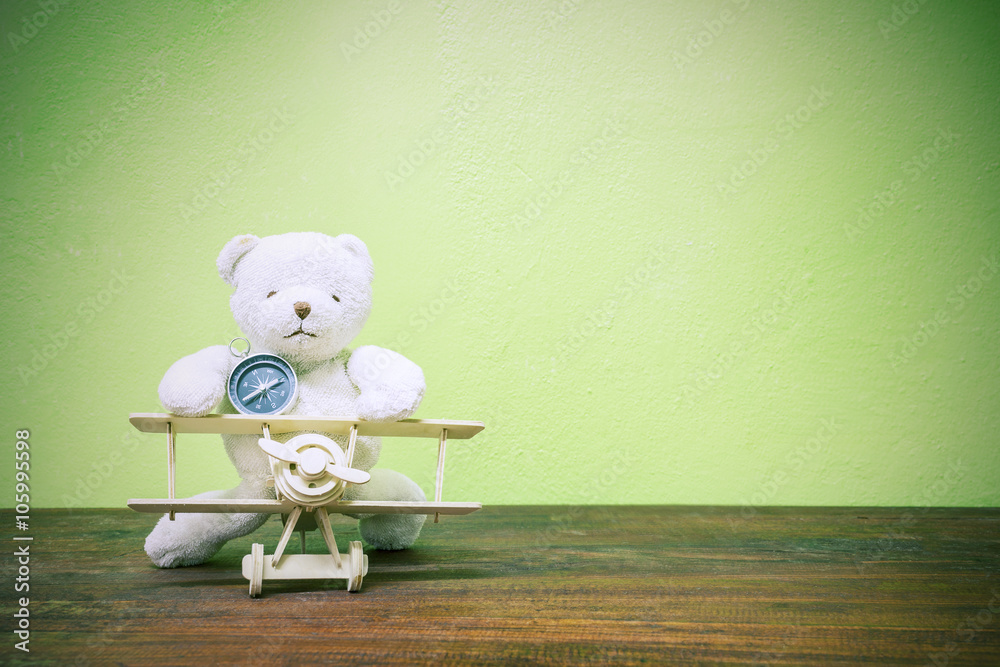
[312, 462]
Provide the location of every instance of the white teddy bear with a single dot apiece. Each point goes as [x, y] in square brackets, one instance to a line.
[304, 297]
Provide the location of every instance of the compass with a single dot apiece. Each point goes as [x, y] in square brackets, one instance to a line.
[261, 384]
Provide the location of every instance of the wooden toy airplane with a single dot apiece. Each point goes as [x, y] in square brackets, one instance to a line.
[310, 474]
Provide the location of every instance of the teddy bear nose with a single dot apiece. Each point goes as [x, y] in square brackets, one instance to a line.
[302, 309]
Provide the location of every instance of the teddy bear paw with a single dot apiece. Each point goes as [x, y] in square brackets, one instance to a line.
[391, 532]
[179, 543]
[377, 406]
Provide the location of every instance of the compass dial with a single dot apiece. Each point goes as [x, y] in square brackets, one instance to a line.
[262, 384]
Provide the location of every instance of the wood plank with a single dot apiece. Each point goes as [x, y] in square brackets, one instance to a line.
[538, 585]
[156, 422]
[228, 506]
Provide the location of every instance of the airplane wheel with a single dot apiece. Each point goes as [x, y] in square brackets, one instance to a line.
[357, 567]
[257, 564]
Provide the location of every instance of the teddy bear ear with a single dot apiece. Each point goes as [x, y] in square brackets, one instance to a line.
[356, 247]
[353, 244]
[232, 253]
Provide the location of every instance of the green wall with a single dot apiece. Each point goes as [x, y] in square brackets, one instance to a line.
[734, 253]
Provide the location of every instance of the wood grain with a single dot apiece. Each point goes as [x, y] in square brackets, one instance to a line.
[540, 585]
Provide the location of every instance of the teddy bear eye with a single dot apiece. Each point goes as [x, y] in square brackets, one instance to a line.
[271, 293]
[335, 298]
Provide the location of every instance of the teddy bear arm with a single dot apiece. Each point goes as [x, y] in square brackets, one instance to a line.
[391, 386]
[195, 384]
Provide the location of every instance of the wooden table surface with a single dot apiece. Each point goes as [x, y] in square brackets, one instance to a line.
[536, 585]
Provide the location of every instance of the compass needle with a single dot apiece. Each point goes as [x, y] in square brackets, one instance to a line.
[254, 383]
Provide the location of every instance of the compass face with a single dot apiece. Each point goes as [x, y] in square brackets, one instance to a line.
[262, 384]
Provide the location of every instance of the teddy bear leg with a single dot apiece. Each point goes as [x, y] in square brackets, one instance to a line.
[388, 532]
[191, 539]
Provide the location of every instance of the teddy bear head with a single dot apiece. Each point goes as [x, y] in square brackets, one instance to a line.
[302, 295]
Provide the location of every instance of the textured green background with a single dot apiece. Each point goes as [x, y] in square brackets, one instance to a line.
[631, 237]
